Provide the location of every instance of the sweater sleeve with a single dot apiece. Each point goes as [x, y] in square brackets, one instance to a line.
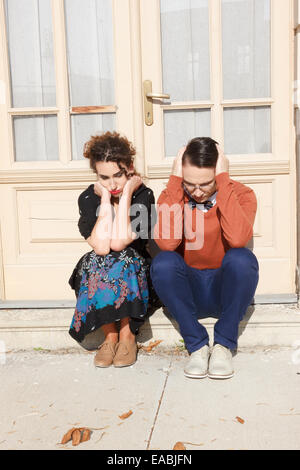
[237, 211]
[143, 211]
[87, 212]
[168, 231]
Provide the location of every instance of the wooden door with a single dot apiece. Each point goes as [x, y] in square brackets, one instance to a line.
[228, 68]
[66, 72]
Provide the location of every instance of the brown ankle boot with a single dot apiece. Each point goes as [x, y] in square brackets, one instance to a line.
[105, 354]
[126, 353]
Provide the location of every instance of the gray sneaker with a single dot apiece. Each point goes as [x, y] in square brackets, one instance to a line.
[220, 363]
[197, 366]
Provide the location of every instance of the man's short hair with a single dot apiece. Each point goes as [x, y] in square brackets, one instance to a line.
[201, 152]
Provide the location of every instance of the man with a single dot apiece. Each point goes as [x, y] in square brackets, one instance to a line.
[205, 269]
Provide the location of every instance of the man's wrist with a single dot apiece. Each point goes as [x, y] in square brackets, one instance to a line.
[177, 172]
[226, 172]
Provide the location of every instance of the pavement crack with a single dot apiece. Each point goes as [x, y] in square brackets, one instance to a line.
[159, 404]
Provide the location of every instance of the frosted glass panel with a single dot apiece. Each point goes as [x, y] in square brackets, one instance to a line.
[247, 130]
[185, 49]
[30, 44]
[86, 125]
[181, 126]
[89, 30]
[35, 138]
[246, 48]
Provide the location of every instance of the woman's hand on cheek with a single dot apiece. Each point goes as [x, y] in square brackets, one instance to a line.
[132, 184]
[101, 191]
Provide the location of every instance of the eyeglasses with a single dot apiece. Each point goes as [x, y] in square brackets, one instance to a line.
[192, 187]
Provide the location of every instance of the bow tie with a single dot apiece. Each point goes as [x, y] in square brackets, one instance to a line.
[207, 204]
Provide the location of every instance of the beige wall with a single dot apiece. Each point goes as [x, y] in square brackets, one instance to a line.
[36, 244]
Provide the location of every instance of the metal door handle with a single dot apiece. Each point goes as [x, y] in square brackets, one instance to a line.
[148, 104]
[158, 95]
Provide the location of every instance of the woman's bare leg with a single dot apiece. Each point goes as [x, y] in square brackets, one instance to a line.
[125, 332]
[111, 333]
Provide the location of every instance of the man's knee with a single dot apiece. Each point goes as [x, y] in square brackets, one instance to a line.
[240, 259]
[164, 264]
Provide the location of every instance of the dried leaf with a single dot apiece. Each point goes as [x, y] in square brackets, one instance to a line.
[240, 420]
[151, 345]
[126, 415]
[68, 436]
[192, 443]
[76, 436]
[86, 435]
[179, 446]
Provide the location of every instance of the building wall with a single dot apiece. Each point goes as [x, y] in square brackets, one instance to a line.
[38, 222]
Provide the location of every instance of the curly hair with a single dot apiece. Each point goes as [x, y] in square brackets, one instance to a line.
[109, 147]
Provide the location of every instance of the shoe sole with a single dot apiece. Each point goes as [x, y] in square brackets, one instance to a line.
[102, 367]
[125, 365]
[211, 376]
[191, 376]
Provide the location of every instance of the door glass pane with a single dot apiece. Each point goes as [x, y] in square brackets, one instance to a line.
[246, 31]
[86, 125]
[247, 130]
[35, 138]
[89, 29]
[181, 126]
[185, 49]
[30, 45]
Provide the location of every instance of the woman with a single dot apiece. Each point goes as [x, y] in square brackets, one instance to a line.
[111, 282]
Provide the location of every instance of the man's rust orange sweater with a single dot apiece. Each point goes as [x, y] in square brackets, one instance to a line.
[229, 224]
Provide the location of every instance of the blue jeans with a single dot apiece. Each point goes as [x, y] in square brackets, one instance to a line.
[190, 294]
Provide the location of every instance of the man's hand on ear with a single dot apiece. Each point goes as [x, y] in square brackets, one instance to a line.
[177, 164]
[222, 162]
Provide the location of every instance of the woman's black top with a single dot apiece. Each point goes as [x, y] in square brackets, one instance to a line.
[142, 215]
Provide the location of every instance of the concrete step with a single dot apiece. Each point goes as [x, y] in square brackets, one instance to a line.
[24, 329]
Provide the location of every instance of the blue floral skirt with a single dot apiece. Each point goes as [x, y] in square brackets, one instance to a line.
[109, 288]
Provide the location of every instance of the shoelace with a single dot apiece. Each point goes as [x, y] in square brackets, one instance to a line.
[106, 346]
[220, 351]
[203, 353]
[122, 346]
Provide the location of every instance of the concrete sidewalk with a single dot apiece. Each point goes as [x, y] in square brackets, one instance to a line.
[44, 394]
